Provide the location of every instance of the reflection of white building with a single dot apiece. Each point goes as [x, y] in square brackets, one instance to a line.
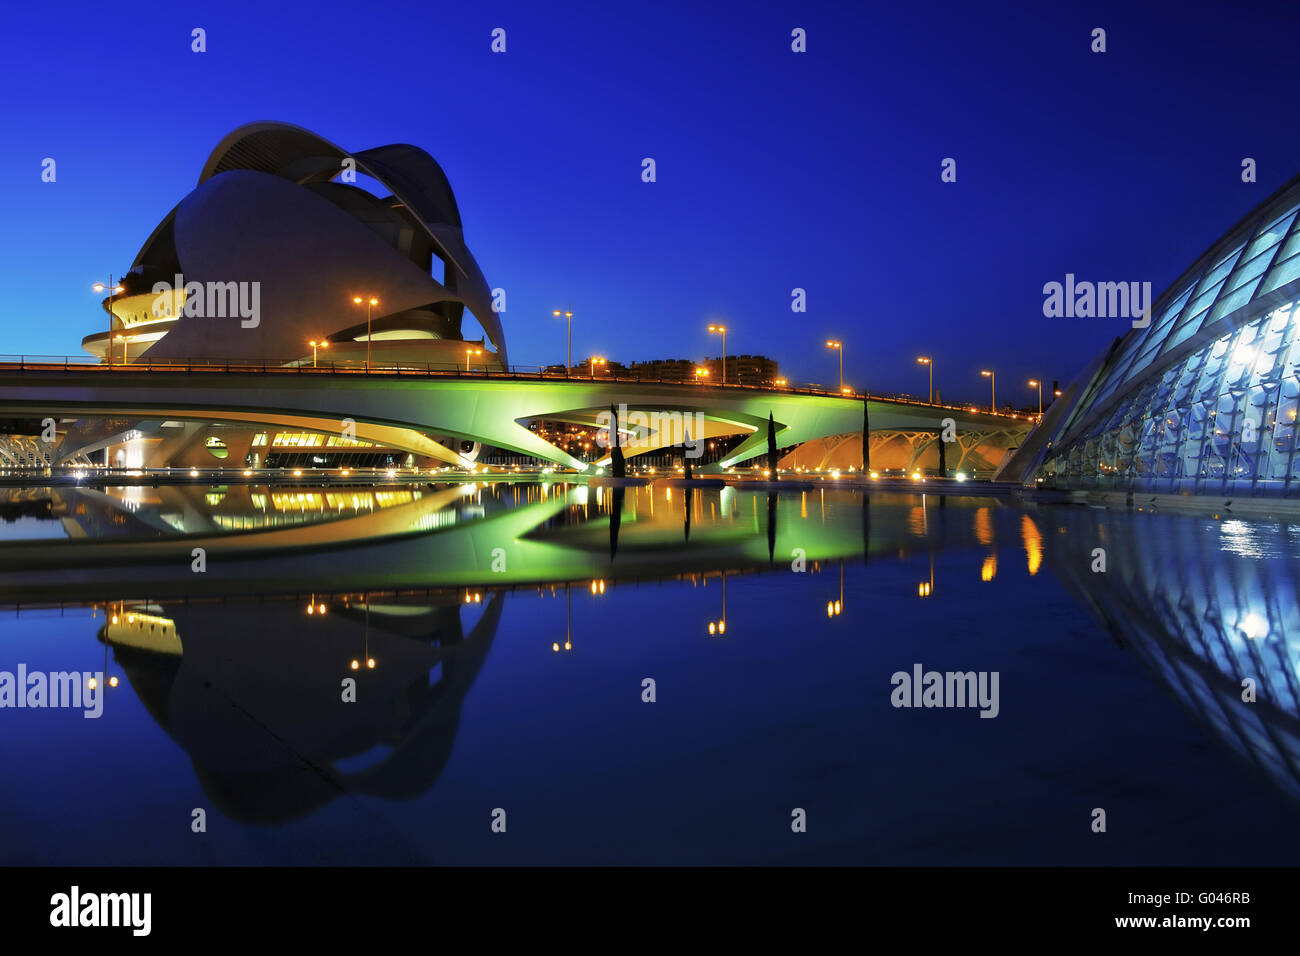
[1204, 399]
[282, 212]
[1206, 612]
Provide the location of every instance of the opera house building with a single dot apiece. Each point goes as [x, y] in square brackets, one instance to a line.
[279, 210]
[280, 257]
[1203, 399]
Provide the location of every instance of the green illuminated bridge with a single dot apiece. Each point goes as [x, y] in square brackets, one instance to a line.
[429, 412]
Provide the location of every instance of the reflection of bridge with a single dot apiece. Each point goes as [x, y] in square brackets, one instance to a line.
[564, 533]
[403, 408]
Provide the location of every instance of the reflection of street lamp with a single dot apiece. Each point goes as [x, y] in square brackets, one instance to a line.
[722, 330]
[926, 360]
[568, 314]
[833, 608]
[469, 353]
[113, 290]
[322, 344]
[719, 627]
[594, 362]
[993, 386]
[371, 302]
[1034, 383]
[926, 588]
[568, 622]
[839, 347]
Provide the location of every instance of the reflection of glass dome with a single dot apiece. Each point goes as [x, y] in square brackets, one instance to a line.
[1204, 399]
[1206, 612]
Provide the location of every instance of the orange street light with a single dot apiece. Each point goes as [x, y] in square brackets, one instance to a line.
[113, 290]
[468, 354]
[993, 386]
[1034, 383]
[371, 302]
[594, 362]
[701, 373]
[568, 355]
[780, 383]
[839, 347]
[722, 330]
[927, 360]
[322, 344]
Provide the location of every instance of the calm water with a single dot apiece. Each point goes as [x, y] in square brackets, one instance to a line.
[511, 629]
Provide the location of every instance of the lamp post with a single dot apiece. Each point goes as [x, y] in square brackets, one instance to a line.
[322, 344]
[568, 355]
[594, 362]
[839, 347]
[993, 386]
[722, 330]
[1034, 383]
[371, 302]
[119, 338]
[927, 360]
[701, 374]
[468, 354]
[112, 291]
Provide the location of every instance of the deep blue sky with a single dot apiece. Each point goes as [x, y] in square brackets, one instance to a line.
[775, 169]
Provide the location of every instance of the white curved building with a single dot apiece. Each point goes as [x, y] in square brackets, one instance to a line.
[276, 245]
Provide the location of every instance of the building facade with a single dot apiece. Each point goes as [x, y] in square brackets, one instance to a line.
[1204, 398]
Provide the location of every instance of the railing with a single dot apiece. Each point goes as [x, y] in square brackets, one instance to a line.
[89, 363]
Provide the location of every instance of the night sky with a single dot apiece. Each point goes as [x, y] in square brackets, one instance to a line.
[775, 170]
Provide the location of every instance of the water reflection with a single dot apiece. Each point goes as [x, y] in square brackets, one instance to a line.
[258, 709]
[405, 594]
[1214, 623]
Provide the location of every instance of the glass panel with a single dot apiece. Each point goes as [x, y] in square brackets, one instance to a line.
[1282, 273]
[1234, 301]
[1250, 270]
[1270, 236]
[1219, 271]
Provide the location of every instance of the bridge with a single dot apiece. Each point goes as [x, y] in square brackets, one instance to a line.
[429, 411]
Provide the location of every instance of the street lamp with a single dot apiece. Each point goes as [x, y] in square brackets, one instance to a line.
[113, 290]
[701, 373]
[468, 354]
[839, 347]
[927, 360]
[993, 386]
[1034, 383]
[568, 357]
[780, 383]
[594, 362]
[722, 330]
[322, 344]
[371, 302]
[120, 338]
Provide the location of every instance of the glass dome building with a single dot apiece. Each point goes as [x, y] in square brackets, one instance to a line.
[1204, 399]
